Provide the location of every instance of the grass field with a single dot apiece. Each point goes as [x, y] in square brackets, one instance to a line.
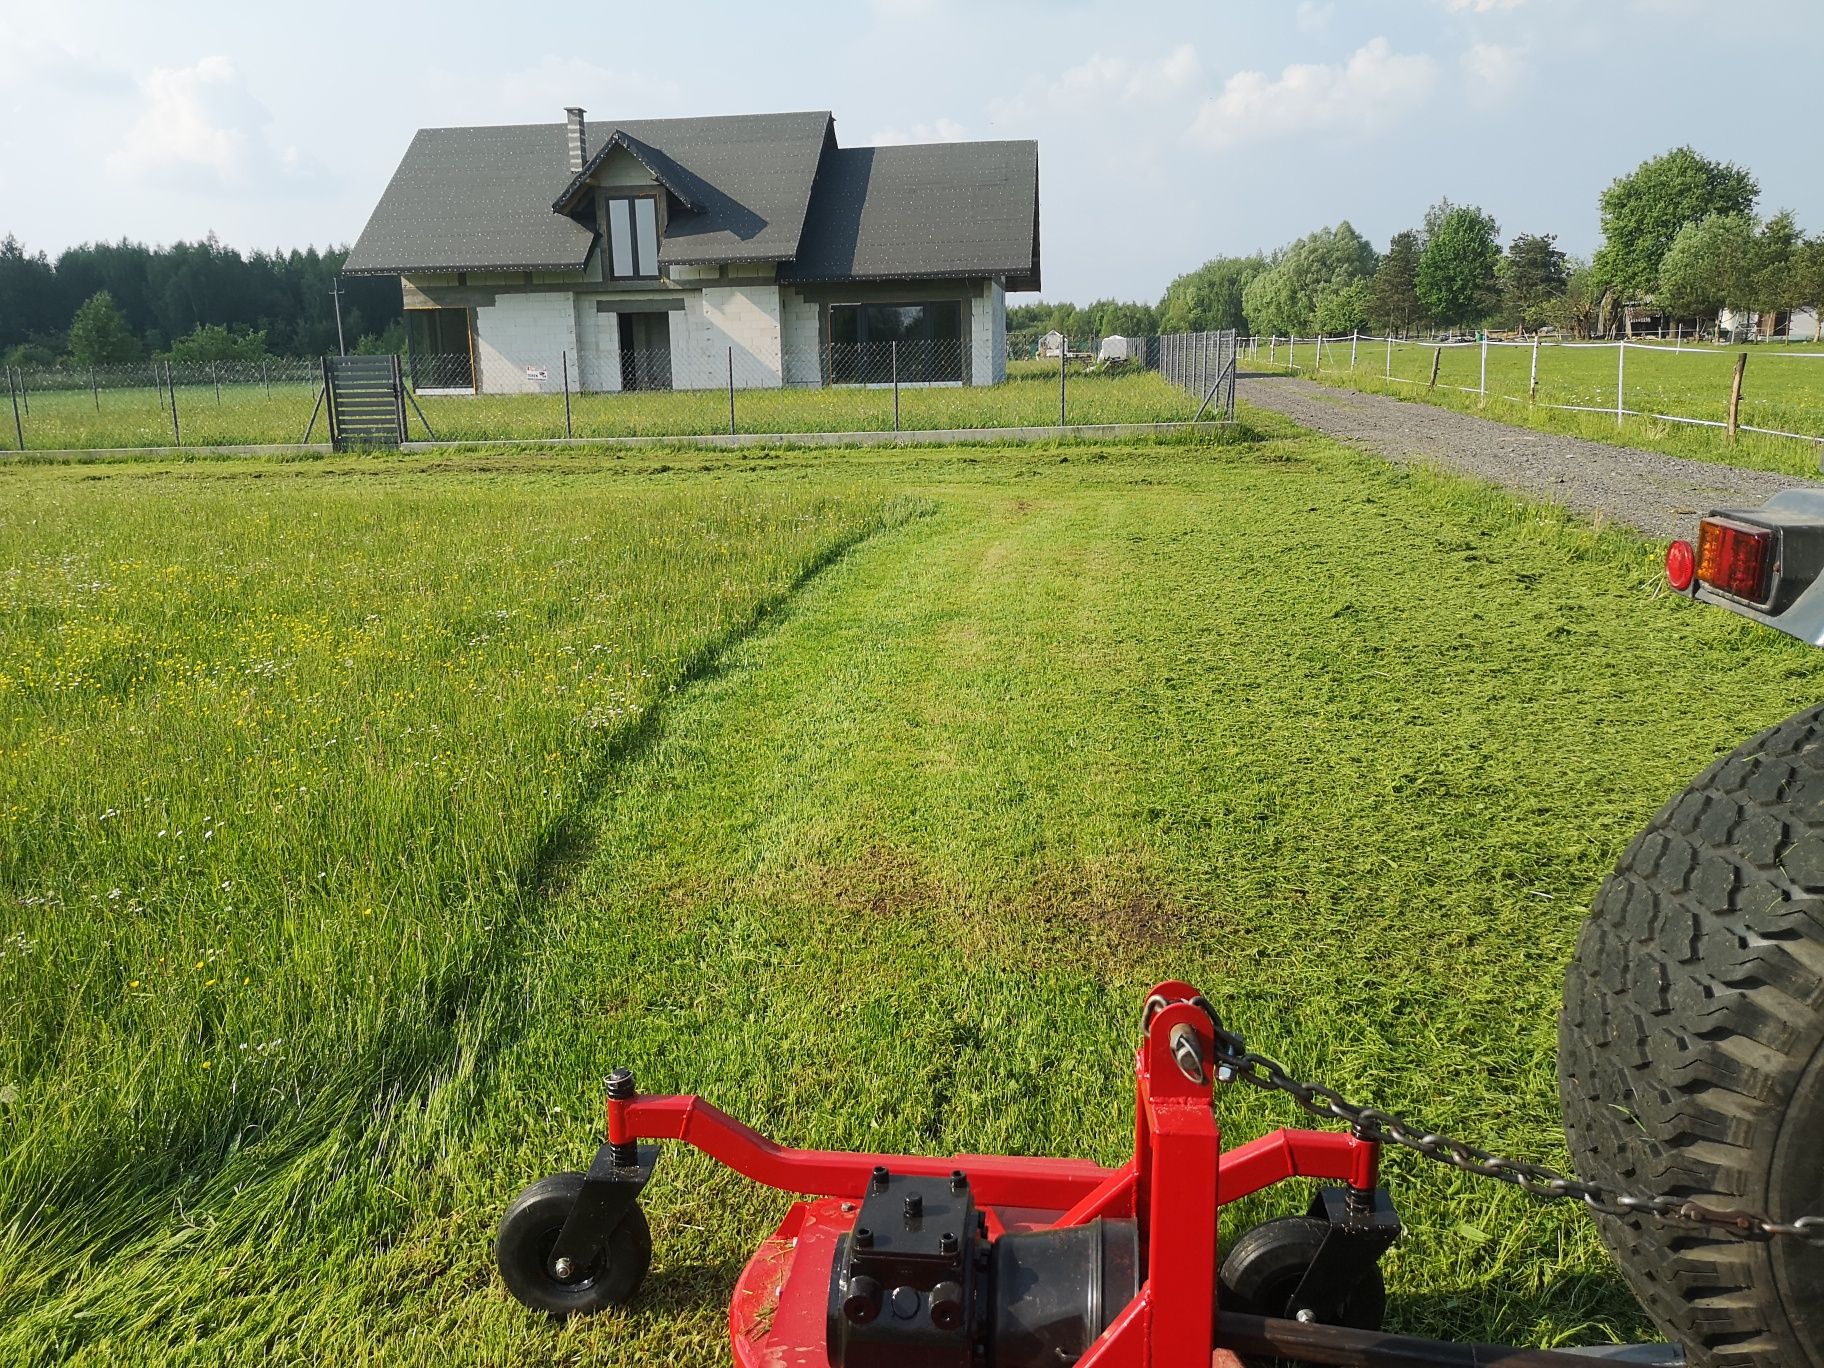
[1783, 391]
[361, 813]
[249, 414]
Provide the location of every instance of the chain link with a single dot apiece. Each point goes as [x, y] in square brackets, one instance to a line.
[1236, 1063]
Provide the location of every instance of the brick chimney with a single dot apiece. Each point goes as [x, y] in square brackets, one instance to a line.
[578, 140]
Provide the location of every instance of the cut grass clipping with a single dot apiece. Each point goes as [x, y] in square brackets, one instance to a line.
[362, 814]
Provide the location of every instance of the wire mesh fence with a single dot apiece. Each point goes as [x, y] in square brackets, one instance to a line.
[208, 403]
[910, 385]
[1774, 393]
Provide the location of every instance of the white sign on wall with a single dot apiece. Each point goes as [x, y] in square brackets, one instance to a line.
[538, 372]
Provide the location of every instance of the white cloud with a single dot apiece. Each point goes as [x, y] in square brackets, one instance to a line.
[1374, 88]
[1481, 6]
[1314, 17]
[1494, 72]
[1086, 88]
[200, 126]
[942, 131]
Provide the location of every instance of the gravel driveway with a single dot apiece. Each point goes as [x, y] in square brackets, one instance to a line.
[1661, 495]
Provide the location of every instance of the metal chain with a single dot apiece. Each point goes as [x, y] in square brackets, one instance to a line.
[1236, 1063]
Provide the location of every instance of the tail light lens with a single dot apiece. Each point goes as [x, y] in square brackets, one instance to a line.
[1735, 559]
[1681, 565]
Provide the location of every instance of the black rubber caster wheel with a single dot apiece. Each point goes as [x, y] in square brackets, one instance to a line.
[528, 1232]
[1264, 1266]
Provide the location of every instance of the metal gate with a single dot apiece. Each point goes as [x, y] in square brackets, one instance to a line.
[366, 401]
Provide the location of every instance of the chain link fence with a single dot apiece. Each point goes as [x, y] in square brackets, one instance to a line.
[642, 390]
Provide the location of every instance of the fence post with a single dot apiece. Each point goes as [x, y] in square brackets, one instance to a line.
[1735, 395]
[266, 379]
[1389, 375]
[1437, 358]
[894, 345]
[731, 391]
[13, 389]
[564, 356]
[1621, 379]
[1354, 338]
[1482, 386]
[1532, 382]
[1063, 359]
[94, 389]
[177, 435]
[215, 374]
[1273, 350]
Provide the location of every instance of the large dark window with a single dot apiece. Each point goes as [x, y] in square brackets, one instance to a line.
[866, 339]
[633, 238]
[437, 345]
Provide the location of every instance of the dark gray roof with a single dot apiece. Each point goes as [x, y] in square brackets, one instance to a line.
[747, 187]
[467, 199]
[942, 209]
[471, 199]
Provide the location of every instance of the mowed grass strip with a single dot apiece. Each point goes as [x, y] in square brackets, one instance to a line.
[282, 770]
[1348, 746]
[250, 414]
[1783, 391]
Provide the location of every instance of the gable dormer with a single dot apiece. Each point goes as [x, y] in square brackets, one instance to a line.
[623, 191]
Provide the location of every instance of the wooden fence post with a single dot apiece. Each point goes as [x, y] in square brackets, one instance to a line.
[1437, 359]
[1735, 395]
[1532, 384]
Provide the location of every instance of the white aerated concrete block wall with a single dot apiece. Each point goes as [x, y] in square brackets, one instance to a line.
[746, 318]
[988, 335]
[597, 366]
[521, 332]
[798, 336]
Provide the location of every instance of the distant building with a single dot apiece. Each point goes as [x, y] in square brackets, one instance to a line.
[1799, 325]
[748, 250]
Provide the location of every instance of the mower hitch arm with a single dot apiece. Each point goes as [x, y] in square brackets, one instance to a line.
[1305, 1342]
[1044, 1184]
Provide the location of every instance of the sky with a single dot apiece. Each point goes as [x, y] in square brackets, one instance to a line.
[1169, 131]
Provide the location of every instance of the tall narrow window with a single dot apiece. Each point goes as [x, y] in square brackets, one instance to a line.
[633, 238]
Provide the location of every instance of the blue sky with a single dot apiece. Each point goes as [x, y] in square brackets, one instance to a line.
[1169, 132]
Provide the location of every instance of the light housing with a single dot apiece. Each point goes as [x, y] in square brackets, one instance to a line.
[1681, 565]
[1736, 559]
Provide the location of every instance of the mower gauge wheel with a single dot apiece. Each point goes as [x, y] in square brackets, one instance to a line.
[528, 1234]
[1264, 1266]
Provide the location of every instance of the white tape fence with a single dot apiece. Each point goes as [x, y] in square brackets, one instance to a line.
[1668, 382]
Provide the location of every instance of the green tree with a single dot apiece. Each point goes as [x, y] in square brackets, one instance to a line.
[1808, 272]
[1456, 277]
[213, 342]
[1283, 298]
[1643, 212]
[99, 334]
[1343, 308]
[1711, 266]
[1393, 293]
[1776, 286]
[1577, 310]
[1208, 299]
[1533, 277]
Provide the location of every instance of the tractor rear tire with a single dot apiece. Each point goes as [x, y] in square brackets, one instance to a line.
[1691, 1050]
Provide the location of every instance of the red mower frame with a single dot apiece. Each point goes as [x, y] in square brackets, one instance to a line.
[1172, 1190]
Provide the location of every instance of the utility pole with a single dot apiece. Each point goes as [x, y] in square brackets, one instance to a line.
[335, 291]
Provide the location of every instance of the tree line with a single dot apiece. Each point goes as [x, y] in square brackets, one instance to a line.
[1681, 241]
[108, 303]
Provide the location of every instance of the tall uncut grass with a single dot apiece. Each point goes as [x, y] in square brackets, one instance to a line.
[281, 773]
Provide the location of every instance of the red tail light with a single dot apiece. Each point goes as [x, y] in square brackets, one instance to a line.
[1735, 559]
[1681, 565]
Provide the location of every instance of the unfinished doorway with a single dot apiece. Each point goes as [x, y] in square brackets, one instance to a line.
[645, 351]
